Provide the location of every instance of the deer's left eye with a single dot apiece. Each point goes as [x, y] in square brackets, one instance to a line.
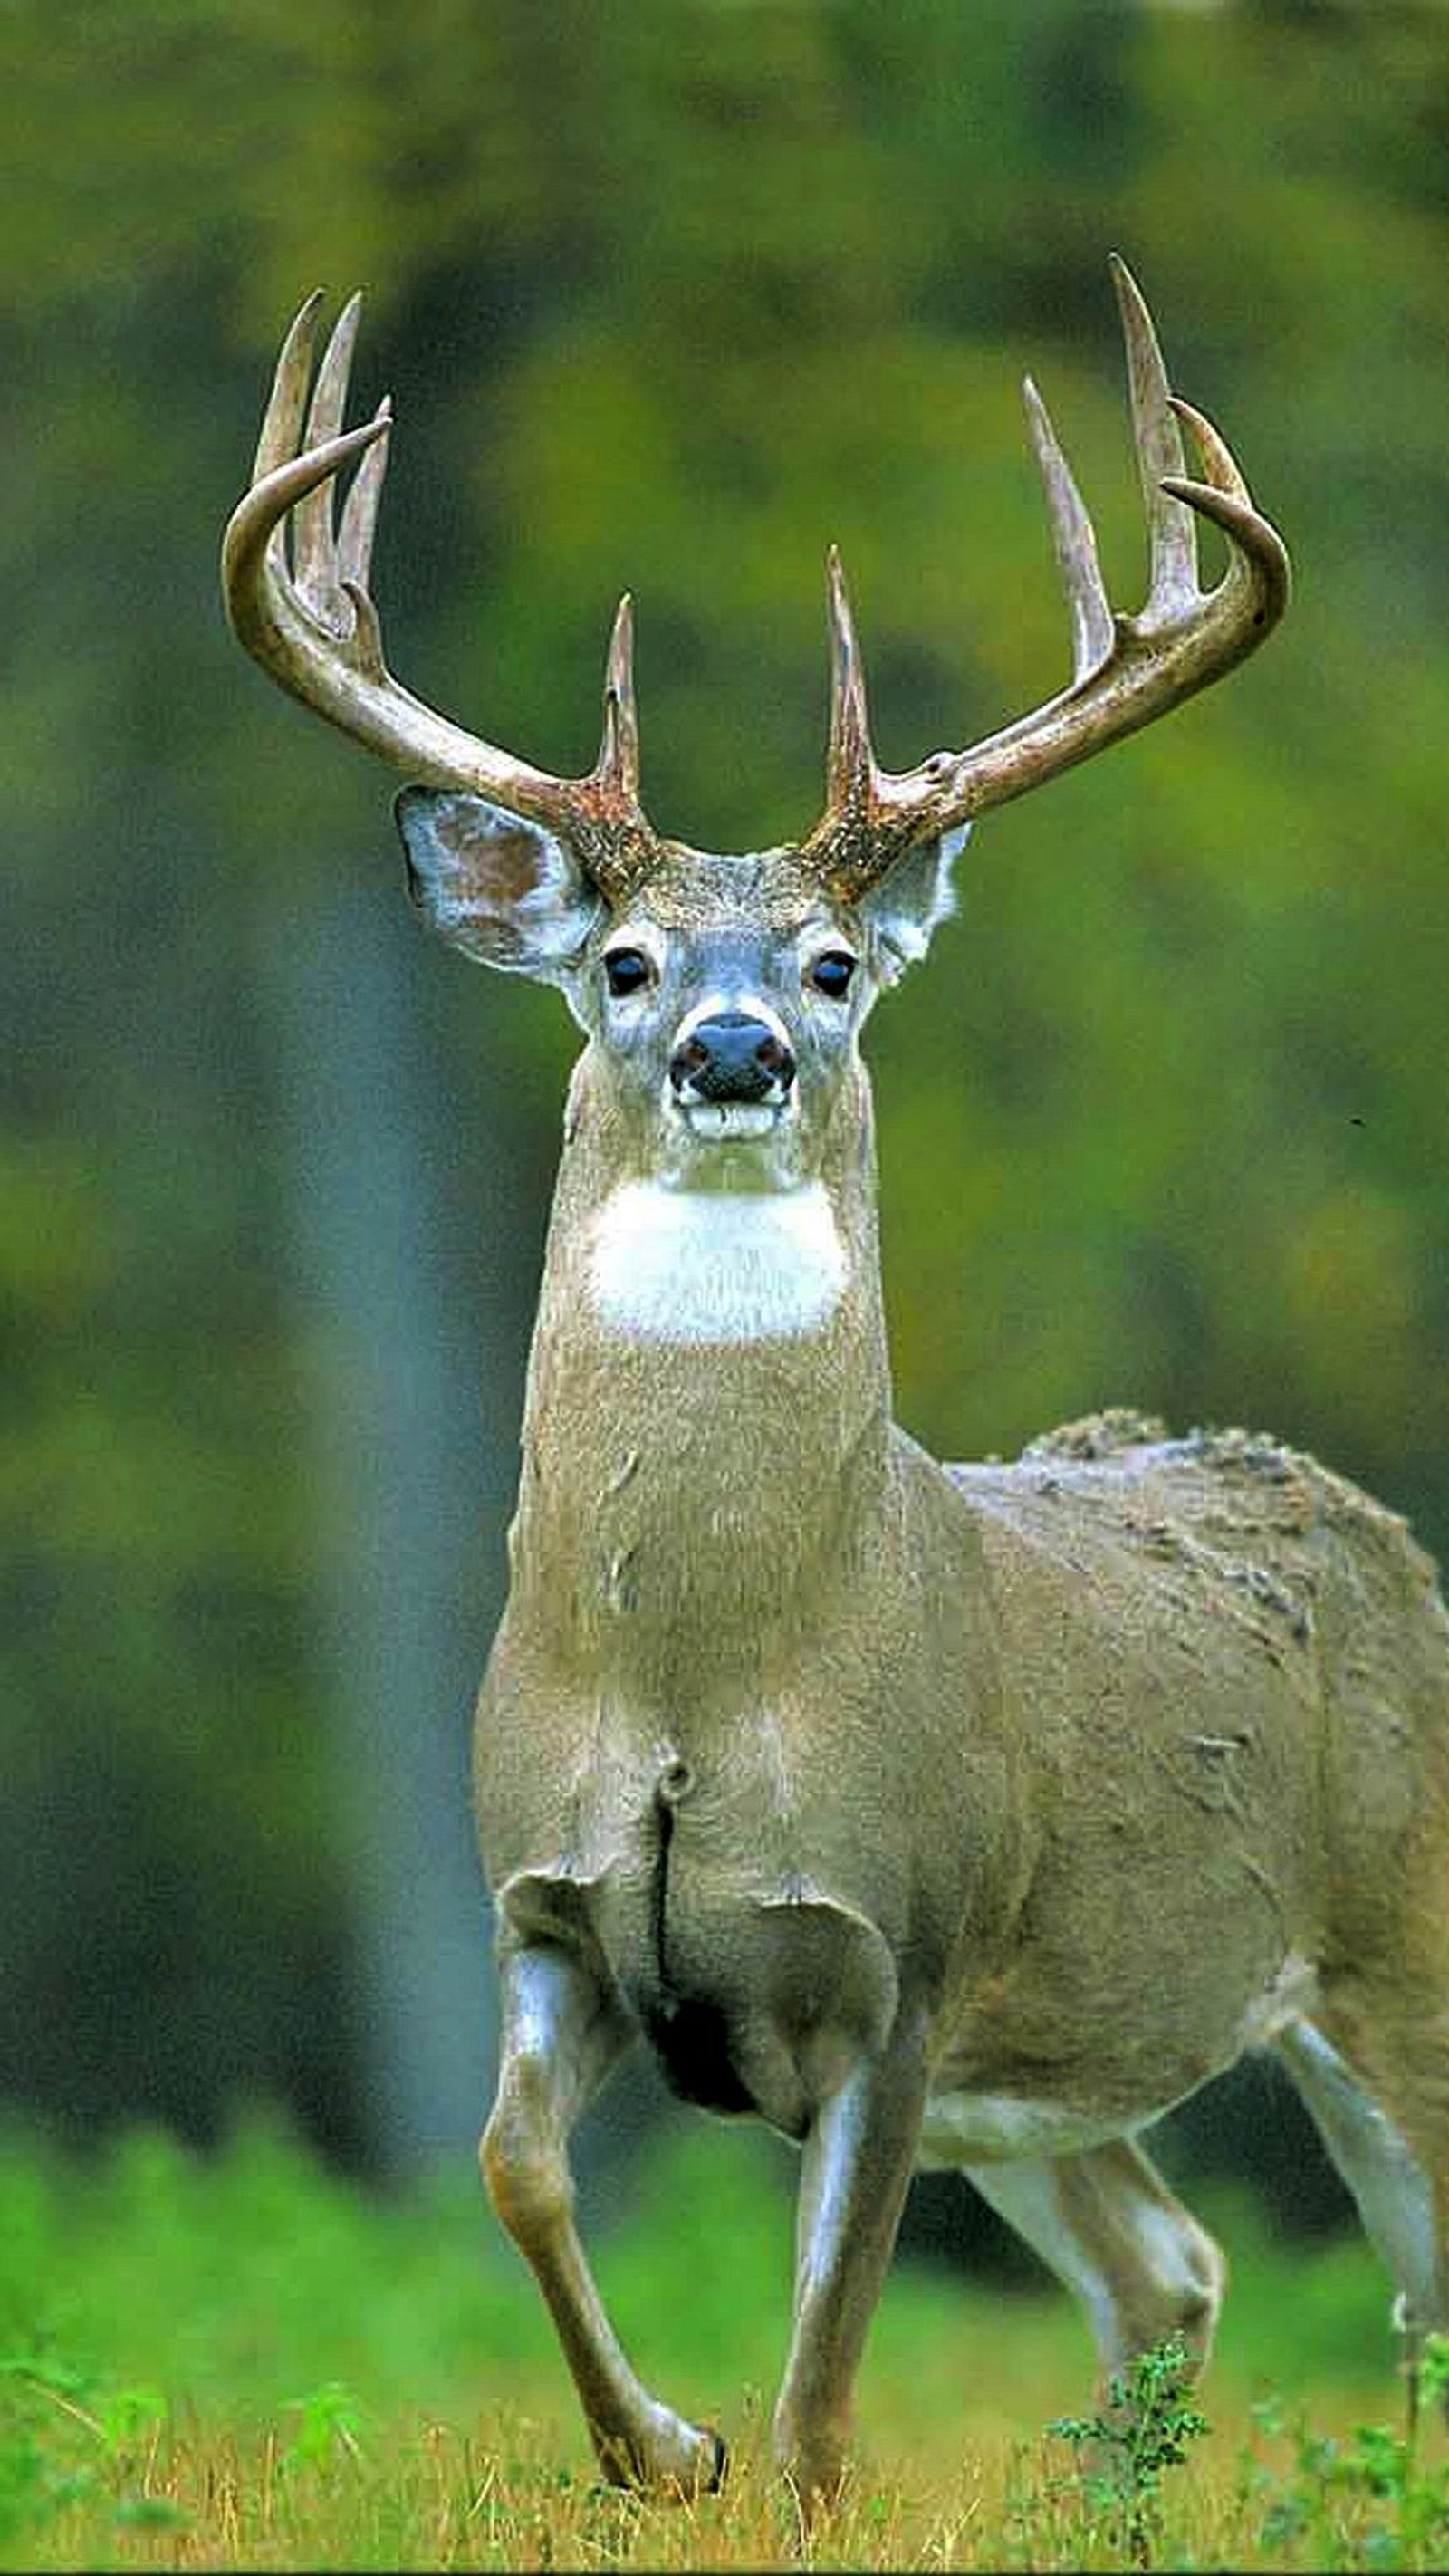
[626, 971]
[831, 973]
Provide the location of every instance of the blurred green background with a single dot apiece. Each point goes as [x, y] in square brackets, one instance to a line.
[668, 295]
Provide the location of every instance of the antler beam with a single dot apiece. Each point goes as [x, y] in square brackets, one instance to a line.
[1126, 670]
[306, 615]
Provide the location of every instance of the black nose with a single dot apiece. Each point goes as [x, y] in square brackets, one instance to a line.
[732, 1057]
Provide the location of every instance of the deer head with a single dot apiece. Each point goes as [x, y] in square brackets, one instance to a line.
[723, 997]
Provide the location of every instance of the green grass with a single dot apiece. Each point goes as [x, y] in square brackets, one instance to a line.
[245, 2361]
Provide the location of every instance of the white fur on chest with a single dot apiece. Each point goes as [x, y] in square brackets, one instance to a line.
[715, 1265]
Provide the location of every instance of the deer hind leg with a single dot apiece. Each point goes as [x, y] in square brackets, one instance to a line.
[1401, 2200]
[562, 2032]
[1105, 2222]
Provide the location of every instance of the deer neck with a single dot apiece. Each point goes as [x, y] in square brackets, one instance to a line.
[708, 1417]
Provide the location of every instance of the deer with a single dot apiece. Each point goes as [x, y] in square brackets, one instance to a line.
[963, 1816]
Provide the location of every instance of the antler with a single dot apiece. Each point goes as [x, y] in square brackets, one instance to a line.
[312, 624]
[1126, 670]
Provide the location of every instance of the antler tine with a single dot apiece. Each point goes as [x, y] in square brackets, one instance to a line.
[846, 843]
[1259, 574]
[850, 761]
[1220, 465]
[618, 763]
[298, 626]
[281, 428]
[286, 409]
[1075, 543]
[359, 515]
[1258, 568]
[622, 849]
[1126, 670]
[314, 547]
[1172, 584]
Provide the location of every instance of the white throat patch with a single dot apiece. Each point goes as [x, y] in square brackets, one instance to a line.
[716, 1265]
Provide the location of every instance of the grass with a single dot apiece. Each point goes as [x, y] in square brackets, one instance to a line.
[244, 2361]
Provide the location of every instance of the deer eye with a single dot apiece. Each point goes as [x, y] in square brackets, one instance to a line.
[626, 970]
[831, 973]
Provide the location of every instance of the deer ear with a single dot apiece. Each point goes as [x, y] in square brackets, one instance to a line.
[502, 889]
[906, 907]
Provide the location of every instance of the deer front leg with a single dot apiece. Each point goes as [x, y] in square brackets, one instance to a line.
[561, 2033]
[859, 2156]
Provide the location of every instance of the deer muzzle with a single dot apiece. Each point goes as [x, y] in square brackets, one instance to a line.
[732, 1073]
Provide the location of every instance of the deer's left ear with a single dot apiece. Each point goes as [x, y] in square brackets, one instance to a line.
[502, 889]
[907, 906]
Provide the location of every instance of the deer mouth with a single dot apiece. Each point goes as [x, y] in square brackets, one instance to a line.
[732, 1121]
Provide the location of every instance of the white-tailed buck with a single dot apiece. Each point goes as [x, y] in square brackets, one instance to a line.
[937, 1815]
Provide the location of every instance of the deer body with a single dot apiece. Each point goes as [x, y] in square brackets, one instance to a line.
[963, 1815]
[740, 1520]
[1119, 1662]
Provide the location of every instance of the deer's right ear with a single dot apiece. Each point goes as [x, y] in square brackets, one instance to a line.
[502, 889]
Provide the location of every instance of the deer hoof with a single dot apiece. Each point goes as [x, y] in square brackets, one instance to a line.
[672, 2460]
[814, 2470]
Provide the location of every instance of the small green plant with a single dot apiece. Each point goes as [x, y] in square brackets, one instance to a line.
[1148, 2426]
[329, 2420]
[67, 2439]
[1366, 2501]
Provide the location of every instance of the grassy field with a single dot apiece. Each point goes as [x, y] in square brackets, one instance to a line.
[244, 2362]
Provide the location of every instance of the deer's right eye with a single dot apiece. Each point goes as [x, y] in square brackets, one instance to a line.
[626, 971]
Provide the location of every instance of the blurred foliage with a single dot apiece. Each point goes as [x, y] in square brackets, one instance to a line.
[668, 295]
[247, 2361]
[239, 2281]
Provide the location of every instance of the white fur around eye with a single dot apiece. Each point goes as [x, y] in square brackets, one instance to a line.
[715, 1265]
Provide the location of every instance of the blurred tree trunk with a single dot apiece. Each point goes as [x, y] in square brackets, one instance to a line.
[408, 1481]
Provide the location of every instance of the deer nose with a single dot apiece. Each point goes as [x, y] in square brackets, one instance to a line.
[732, 1056]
